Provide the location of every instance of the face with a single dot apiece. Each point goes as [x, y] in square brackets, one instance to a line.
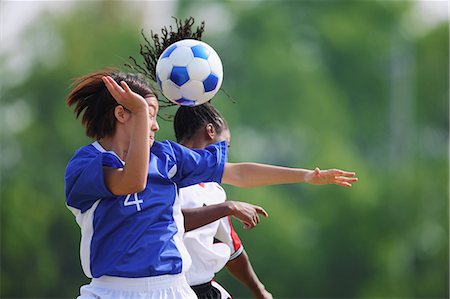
[152, 102]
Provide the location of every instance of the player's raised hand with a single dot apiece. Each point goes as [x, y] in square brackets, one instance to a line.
[246, 213]
[124, 95]
[331, 176]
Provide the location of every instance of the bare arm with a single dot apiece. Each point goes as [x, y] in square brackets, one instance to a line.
[242, 269]
[254, 174]
[132, 177]
[245, 212]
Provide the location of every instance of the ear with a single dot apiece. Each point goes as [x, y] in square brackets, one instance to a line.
[210, 131]
[121, 114]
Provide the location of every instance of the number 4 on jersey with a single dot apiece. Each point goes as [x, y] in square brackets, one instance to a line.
[136, 201]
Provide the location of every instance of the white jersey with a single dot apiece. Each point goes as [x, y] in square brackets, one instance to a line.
[213, 245]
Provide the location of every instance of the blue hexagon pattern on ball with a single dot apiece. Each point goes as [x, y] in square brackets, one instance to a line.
[189, 72]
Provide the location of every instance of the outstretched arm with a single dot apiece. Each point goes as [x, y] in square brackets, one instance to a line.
[255, 174]
[245, 212]
[242, 269]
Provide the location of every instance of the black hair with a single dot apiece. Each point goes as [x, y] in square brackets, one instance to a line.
[91, 98]
[185, 119]
[188, 120]
[150, 51]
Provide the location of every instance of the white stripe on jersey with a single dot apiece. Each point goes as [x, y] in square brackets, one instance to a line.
[86, 222]
[178, 237]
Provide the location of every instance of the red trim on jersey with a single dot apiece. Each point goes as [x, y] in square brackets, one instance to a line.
[234, 236]
[202, 185]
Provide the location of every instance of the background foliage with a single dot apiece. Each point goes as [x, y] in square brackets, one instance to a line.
[355, 85]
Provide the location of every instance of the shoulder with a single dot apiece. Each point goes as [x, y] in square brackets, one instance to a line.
[83, 154]
[171, 146]
[87, 154]
[80, 160]
[165, 147]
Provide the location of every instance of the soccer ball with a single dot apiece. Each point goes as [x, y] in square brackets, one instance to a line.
[189, 72]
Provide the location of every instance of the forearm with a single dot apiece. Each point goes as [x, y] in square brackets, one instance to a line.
[138, 156]
[197, 217]
[255, 174]
[242, 269]
[133, 177]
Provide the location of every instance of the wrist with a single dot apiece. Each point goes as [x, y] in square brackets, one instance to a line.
[230, 208]
[307, 175]
[140, 118]
[259, 290]
[142, 109]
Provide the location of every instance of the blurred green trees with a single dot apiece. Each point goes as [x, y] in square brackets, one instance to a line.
[329, 84]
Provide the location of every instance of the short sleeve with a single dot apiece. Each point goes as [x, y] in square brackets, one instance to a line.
[85, 182]
[226, 234]
[197, 166]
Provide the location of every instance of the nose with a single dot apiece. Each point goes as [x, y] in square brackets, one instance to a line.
[155, 126]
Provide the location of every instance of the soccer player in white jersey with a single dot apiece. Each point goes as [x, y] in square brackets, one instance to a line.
[123, 189]
[216, 245]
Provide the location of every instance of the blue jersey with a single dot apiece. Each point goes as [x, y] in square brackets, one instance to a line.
[136, 235]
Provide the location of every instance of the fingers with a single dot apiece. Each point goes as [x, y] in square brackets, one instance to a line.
[125, 87]
[344, 184]
[254, 218]
[261, 211]
[111, 84]
[113, 87]
[343, 178]
[248, 214]
[247, 225]
[253, 222]
[345, 181]
[343, 173]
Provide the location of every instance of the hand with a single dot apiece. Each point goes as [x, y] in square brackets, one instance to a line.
[246, 213]
[330, 176]
[124, 95]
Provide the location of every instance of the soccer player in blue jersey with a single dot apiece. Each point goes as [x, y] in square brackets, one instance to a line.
[123, 189]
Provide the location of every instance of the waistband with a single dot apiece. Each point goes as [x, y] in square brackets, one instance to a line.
[140, 283]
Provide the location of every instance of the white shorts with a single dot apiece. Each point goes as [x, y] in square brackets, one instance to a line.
[158, 287]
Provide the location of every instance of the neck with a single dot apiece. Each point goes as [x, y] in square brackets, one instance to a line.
[194, 144]
[115, 144]
[197, 141]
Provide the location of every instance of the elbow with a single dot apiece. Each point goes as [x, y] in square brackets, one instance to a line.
[129, 188]
[238, 180]
[238, 175]
[241, 184]
[137, 186]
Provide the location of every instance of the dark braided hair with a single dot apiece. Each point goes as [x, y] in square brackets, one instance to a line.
[150, 51]
[188, 120]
